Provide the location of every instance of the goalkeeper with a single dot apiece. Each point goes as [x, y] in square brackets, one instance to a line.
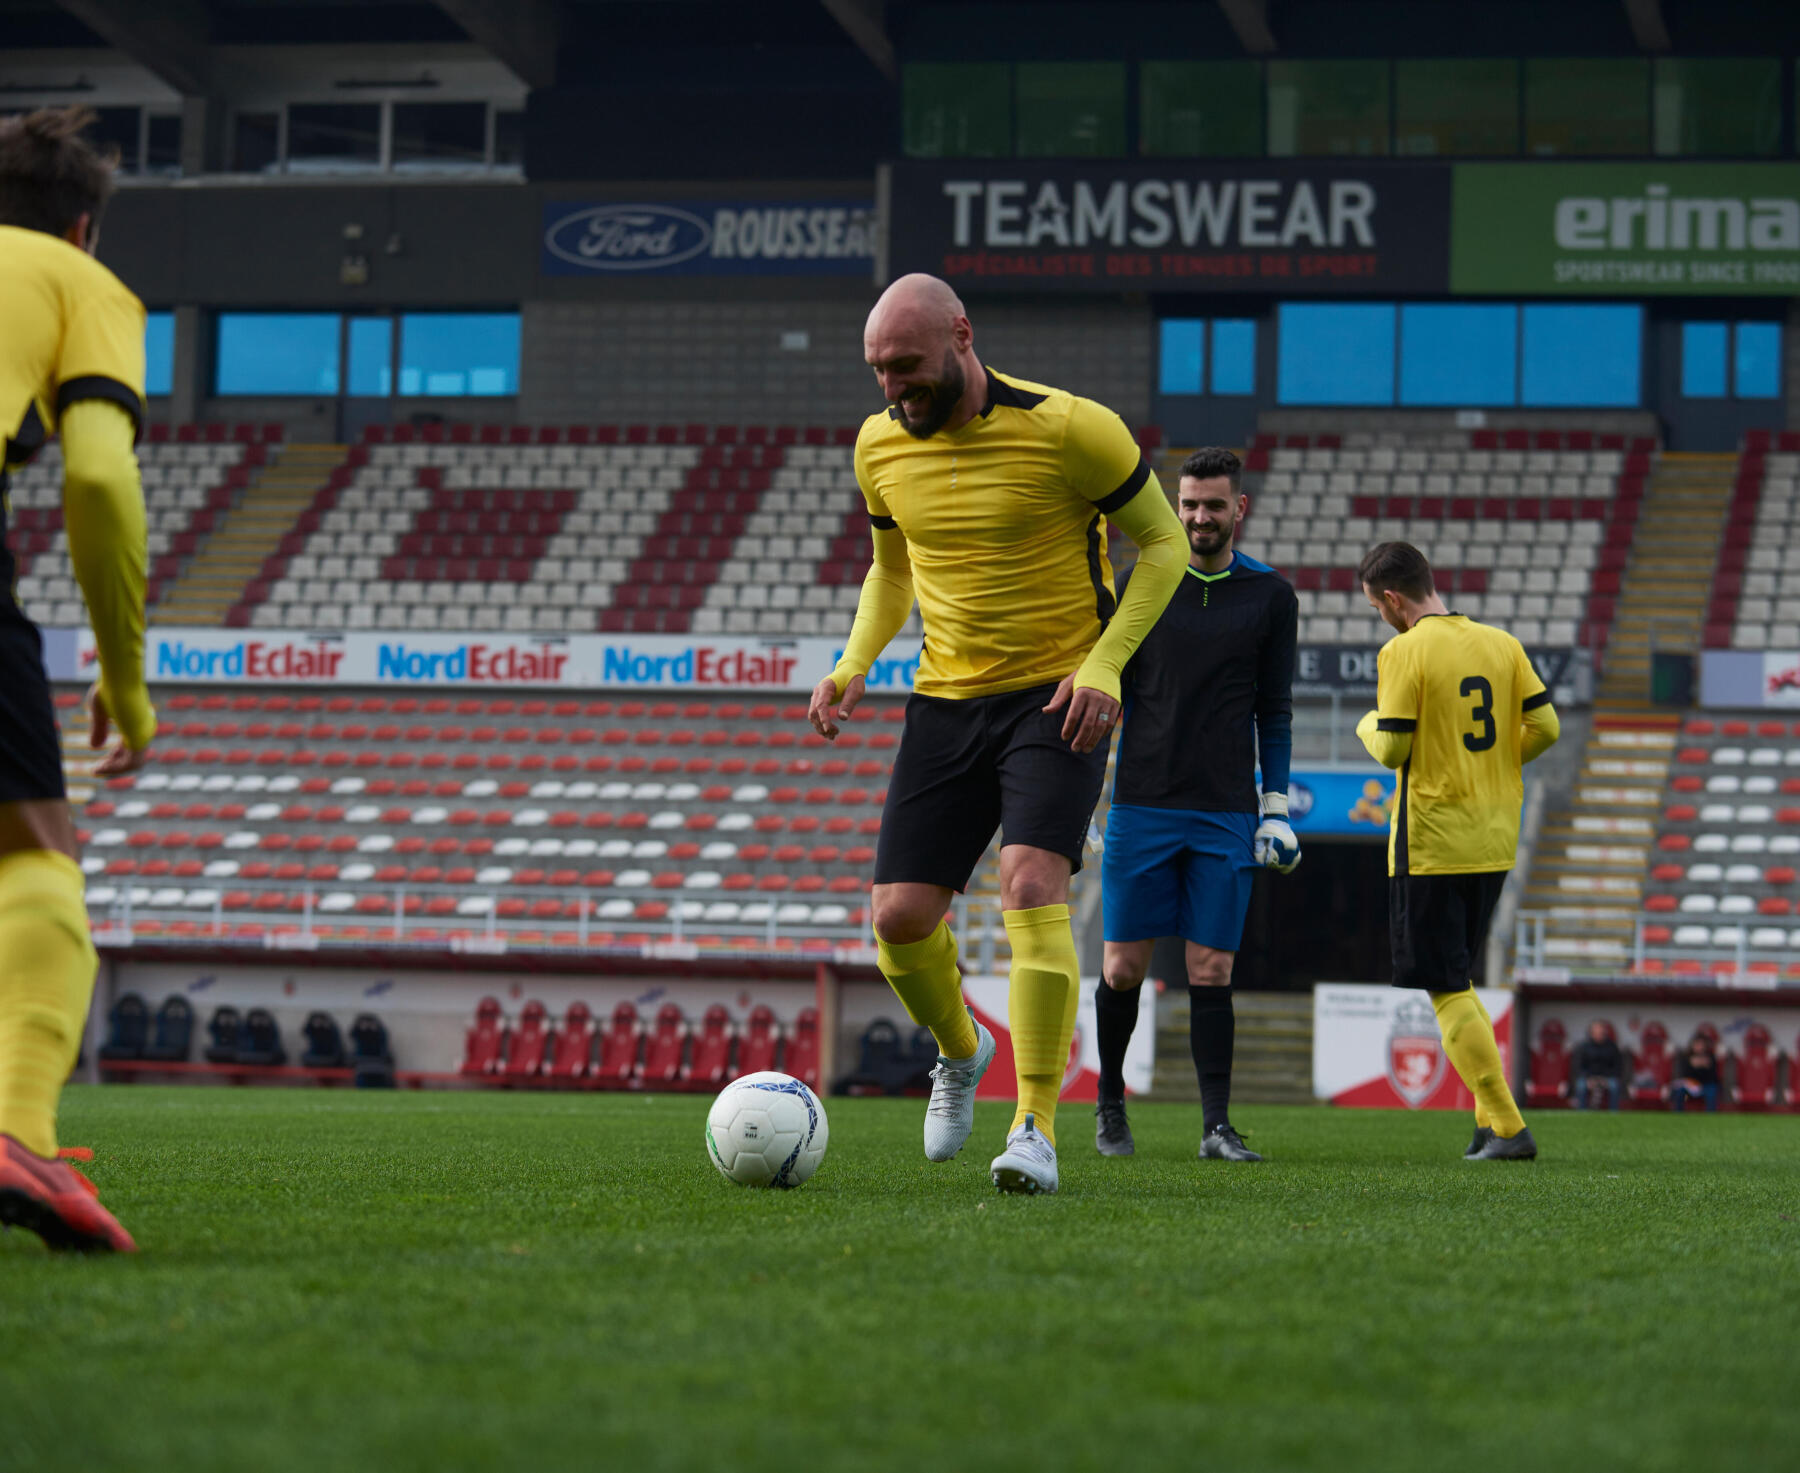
[1210, 685]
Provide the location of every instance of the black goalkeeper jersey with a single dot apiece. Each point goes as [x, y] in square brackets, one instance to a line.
[1211, 683]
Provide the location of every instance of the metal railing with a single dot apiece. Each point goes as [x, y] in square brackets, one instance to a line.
[1534, 952]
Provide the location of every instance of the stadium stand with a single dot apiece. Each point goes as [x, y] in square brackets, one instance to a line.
[1756, 591]
[1530, 529]
[1756, 1074]
[1723, 895]
[189, 482]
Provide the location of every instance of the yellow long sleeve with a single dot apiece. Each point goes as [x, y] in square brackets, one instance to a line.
[882, 607]
[1389, 748]
[1540, 729]
[1148, 520]
[103, 511]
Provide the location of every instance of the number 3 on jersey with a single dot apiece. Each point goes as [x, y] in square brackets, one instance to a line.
[1482, 715]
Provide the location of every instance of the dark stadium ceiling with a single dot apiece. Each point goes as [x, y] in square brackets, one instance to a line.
[543, 41]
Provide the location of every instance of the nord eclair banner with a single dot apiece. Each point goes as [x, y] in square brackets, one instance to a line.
[1256, 225]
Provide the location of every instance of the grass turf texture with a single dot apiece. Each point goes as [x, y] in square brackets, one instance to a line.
[527, 1280]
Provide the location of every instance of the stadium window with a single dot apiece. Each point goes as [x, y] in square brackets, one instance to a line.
[1458, 107]
[1599, 106]
[121, 128]
[256, 143]
[1070, 109]
[1459, 353]
[276, 353]
[439, 135]
[1588, 356]
[333, 136]
[1328, 108]
[1333, 353]
[1182, 356]
[371, 366]
[159, 352]
[509, 138]
[956, 110]
[1703, 360]
[1200, 109]
[459, 354]
[1233, 355]
[162, 143]
[1756, 364]
[1718, 107]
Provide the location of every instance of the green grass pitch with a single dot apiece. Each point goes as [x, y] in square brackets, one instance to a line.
[341, 1280]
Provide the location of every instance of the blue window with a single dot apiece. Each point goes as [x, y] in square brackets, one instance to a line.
[1581, 355]
[277, 353]
[1703, 360]
[1461, 354]
[1233, 356]
[1758, 364]
[1335, 354]
[159, 353]
[371, 356]
[456, 354]
[1183, 357]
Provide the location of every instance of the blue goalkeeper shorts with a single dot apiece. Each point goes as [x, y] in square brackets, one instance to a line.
[1173, 872]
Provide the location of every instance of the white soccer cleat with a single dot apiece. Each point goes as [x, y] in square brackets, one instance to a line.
[1028, 1164]
[950, 1115]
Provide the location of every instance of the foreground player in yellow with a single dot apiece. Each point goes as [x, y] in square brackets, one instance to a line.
[988, 498]
[71, 361]
[1459, 712]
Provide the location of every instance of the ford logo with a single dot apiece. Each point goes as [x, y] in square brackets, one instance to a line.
[628, 237]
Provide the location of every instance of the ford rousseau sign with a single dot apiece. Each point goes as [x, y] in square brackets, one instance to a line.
[1264, 226]
[698, 238]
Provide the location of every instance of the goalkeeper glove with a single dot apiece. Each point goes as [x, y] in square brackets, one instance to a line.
[1276, 847]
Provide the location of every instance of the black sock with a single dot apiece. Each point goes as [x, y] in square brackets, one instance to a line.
[1115, 1015]
[1211, 1028]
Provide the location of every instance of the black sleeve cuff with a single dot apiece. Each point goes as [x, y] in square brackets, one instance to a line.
[98, 386]
[1396, 723]
[882, 524]
[1542, 698]
[1134, 483]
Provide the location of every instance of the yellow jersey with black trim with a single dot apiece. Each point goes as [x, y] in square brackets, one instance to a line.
[1005, 526]
[69, 330]
[1462, 689]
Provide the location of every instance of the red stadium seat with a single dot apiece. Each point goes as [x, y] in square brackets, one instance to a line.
[485, 1043]
[760, 1046]
[572, 1045]
[665, 1050]
[803, 1048]
[617, 1065]
[525, 1048]
[711, 1064]
[1548, 1083]
[1755, 1086]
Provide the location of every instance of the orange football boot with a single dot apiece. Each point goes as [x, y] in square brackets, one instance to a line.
[58, 1203]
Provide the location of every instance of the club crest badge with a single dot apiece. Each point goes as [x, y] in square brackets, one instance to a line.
[1415, 1053]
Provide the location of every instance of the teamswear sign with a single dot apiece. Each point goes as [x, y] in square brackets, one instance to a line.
[1261, 227]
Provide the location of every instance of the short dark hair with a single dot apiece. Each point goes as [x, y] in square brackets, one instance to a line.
[50, 174]
[1399, 566]
[1211, 461]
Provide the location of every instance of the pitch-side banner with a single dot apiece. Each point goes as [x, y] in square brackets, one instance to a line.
[1379, 1047]
[1713, 229]
[631, 237]
[1738, 678]
[1240, 227]
[987, 997]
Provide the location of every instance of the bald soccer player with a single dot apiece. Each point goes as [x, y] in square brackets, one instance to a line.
[71, 363]
[988, 498]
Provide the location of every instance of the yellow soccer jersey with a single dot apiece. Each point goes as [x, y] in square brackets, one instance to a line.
[72, 331]
[1462, 689]
[1005, 526]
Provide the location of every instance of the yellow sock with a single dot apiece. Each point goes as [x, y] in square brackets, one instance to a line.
[47, 966]
[1041, 1004]
[924, 977]
[1469, 1041]
[1482, 1120]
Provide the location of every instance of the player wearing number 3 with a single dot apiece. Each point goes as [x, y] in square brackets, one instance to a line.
[1459, 711]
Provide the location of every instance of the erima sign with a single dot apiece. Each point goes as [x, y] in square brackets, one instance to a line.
[709, 238]
[1274, 227]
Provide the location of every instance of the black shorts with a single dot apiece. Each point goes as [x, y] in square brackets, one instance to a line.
[968, 767]
[1438, 924]
[31, 760]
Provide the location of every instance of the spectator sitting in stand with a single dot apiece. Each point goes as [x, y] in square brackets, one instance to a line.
[1698, 1077]
[1597, 1067]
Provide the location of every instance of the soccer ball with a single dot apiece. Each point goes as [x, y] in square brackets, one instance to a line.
[766, 1130]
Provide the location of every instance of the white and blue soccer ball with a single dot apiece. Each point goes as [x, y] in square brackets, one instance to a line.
[766, 1130]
